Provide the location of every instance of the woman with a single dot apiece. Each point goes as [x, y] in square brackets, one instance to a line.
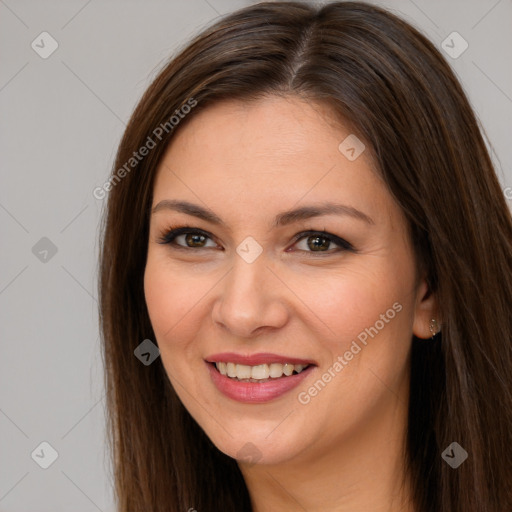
[304, 218]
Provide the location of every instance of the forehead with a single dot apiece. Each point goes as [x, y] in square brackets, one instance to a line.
[267, 153]
[272, 128]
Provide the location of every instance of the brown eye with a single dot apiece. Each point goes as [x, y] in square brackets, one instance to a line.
[315, 242]
[194, 239]
[321, 242]
[186, 238]
[318, 242]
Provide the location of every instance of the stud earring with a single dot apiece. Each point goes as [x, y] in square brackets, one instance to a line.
[434, 328]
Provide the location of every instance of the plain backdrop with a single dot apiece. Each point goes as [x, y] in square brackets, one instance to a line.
[61, 118]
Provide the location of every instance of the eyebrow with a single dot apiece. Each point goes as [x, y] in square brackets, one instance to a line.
[282, 219]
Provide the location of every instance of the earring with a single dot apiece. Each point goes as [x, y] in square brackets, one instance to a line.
[434, 328]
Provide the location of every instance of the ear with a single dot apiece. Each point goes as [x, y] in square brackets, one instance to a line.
[425, 310]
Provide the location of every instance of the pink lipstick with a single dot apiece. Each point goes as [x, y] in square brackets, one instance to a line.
[257, 378]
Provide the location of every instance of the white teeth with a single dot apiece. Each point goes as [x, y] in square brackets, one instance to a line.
[231, 367]
[276, 370]
[222, 367]
[243, 371]
[288, 369]
[259, 372]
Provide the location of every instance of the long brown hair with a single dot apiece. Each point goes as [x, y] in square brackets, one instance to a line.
[401, 97]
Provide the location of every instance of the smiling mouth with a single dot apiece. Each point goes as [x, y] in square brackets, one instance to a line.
[259, 373]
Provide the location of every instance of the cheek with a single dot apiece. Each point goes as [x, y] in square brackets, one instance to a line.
[368, 311]
[344, 304]
[369, 319]
[172, 301]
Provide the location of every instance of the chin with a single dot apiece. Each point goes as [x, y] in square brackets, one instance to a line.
[261, 452]
[253, 443]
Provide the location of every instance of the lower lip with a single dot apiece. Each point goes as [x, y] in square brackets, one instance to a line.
[255, 392]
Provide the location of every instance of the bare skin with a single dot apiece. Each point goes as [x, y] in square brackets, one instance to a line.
[341, 448]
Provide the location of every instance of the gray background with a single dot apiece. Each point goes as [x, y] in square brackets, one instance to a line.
[61, 120]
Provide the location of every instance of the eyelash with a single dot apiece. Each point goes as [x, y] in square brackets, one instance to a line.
[169, 235]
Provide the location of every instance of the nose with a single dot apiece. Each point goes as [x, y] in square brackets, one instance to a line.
[251, 299]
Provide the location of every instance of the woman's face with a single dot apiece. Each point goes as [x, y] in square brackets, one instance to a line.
[243, 289]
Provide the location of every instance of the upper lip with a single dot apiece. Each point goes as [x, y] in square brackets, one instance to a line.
[256, 359]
